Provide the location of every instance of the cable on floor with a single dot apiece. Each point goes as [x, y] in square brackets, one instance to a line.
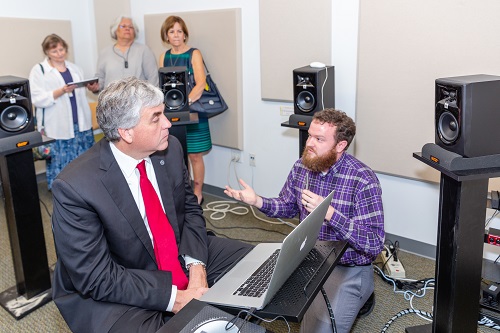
[489, 321]
[220, 209]
[250, 314]
[401, 314]
[409, 288]
[46, 208]
[246, 239]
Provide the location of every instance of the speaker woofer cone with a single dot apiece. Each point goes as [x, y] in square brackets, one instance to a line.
[448, 128]
[174, 99]
[14, 118]
[305, 101]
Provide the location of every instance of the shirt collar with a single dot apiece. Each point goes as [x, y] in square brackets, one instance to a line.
[334, 168]
[126, 163]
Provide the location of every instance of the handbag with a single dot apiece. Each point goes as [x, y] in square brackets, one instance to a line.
[42, 152]
[211, 102]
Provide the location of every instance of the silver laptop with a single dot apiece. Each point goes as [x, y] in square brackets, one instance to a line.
[234, 289]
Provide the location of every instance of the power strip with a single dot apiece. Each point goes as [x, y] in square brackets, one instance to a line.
[392, 268]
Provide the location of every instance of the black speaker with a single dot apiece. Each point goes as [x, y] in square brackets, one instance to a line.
[467, 114]
[173, 83]
[16, 112]
[313, 89]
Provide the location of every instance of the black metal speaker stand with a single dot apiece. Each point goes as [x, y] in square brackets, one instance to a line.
[302, 123]
[24, 221]
[179, 122]
[462, 212]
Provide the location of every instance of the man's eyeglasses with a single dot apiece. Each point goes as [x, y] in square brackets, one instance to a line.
[123, 26]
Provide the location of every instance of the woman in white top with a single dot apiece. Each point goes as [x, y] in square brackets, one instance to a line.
[61, 109]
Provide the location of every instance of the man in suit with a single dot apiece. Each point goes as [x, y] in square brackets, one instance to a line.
[107, 277]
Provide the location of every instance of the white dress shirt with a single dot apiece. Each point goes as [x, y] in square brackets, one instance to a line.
[128, 166]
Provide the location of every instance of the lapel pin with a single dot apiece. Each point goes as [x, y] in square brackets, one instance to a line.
[162, 162]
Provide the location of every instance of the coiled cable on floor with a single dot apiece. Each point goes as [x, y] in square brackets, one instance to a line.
[220, 209]
[485, 320]
[402, 313]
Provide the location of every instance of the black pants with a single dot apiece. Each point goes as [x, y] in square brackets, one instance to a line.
[222, 253]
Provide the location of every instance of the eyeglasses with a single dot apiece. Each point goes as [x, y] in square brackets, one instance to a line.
[123, 26]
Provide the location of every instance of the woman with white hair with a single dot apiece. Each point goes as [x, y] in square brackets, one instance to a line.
[126, 57]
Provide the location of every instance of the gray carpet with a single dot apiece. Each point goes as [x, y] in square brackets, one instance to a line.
[225, 223]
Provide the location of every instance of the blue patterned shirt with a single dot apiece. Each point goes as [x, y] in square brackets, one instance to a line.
[357, 201]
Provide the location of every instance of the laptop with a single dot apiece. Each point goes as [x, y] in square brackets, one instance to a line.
[279, 260]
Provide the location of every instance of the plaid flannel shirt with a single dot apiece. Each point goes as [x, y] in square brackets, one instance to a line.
[358, 216]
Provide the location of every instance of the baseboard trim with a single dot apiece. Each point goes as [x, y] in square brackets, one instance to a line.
[413, 246]
[214, 190]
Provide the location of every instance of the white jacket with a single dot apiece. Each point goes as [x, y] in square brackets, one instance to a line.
[58, 115]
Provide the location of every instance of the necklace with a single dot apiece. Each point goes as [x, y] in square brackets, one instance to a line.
[126, 55]
[177, 56]
[175, 62]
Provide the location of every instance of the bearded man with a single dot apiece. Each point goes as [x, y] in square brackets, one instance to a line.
[355, 215]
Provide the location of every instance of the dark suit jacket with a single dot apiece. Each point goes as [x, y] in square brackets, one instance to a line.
[106, 263]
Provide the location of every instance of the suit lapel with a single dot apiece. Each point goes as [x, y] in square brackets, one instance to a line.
[165, 183]
[117, 187]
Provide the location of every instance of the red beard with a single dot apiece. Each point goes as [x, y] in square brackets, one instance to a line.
[319, 163]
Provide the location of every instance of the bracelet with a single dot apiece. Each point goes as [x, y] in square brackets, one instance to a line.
[196, 263]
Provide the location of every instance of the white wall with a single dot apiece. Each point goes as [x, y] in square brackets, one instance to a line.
[411, 207]
[78, 12]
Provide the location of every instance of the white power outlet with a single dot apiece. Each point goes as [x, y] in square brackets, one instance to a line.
[251, 160]
[236, 156]
[392, 268]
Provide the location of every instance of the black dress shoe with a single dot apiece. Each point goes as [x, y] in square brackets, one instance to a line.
[367, 308]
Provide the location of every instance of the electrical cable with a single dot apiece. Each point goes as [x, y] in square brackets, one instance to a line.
[46, 208]
[220, 209]
[488, 321]
[407, 287]
[218, 233]
[330, 311]
[402, 313]
[322, 90]
[492, 217]
[251, 314]
[410, 289]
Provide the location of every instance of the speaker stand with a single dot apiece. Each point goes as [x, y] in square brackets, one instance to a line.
[179, 122]
[24, 222]
[459, 250]
[302, 123]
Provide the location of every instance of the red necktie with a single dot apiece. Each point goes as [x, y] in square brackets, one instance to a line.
[165, 246]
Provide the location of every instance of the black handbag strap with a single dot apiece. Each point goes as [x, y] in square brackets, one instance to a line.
[43, 110]
[207, 72]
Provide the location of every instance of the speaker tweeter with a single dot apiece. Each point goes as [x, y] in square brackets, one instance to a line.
[313, 89]
[16, 115]
[173, 83]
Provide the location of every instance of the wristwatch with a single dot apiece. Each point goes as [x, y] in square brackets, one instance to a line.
[190, 101]
[188, 266]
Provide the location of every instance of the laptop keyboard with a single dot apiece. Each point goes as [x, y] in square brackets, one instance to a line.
[258, 282]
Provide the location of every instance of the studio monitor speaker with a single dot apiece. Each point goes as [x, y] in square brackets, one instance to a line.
[313, 89]
[16, 113]
[173, 83]
[467, 114]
